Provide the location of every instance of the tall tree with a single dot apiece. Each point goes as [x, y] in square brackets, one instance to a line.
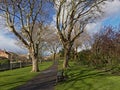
[70, 13]
[21, 17]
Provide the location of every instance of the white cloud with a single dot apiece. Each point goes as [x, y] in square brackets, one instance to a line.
[93, 27]
[9, 44]
[53, 23]
[3, 25]
[110, 9]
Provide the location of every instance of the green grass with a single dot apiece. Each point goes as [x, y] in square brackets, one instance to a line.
[83, 78]
[13, 78]
[60, 64]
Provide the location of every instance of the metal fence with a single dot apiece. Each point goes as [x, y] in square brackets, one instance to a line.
[13, 65]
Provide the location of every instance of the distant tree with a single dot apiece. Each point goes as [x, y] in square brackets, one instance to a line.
[81, 42]
[52, 41]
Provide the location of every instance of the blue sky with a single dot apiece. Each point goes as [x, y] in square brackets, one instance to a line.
[111, 17]
[112, 20]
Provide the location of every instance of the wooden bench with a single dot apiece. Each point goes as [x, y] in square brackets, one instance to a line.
[61, 76]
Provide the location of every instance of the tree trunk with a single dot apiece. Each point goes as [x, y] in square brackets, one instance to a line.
[54, 56]
[35, 67]
[75, 54]
[67, 56]
[34, 58]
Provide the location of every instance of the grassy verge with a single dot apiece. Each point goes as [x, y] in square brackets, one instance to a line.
[83, 78]
[13, 78]
[60, 64]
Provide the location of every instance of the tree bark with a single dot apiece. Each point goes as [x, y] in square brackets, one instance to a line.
[75, 53]
[34, 58]
[67, 55]
[54, 57]
[35, 67]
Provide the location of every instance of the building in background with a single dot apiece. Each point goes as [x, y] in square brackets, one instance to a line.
[13, 57]
[4, 54]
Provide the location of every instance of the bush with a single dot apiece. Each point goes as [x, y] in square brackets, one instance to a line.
[4, 64]
[4, 61]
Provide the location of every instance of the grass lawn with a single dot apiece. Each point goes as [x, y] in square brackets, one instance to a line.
[83, 78]
[13, 78]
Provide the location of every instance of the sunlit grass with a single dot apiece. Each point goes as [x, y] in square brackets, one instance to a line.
[13, 78]
[84, 78]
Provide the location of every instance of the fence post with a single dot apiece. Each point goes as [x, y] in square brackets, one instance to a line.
[20, 64]
[11, 65]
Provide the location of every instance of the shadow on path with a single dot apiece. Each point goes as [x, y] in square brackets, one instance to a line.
[44, 81]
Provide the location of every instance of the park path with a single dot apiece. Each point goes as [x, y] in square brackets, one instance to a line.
[46, 80]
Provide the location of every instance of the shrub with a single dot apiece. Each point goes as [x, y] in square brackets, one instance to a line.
[4, 61]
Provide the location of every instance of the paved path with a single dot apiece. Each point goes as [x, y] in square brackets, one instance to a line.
[44, 81]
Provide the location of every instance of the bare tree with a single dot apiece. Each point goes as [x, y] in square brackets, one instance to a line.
[106, 46]
[22, 16]
[52, 41]
[71, 13]
[81, 42]
[53, 46]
